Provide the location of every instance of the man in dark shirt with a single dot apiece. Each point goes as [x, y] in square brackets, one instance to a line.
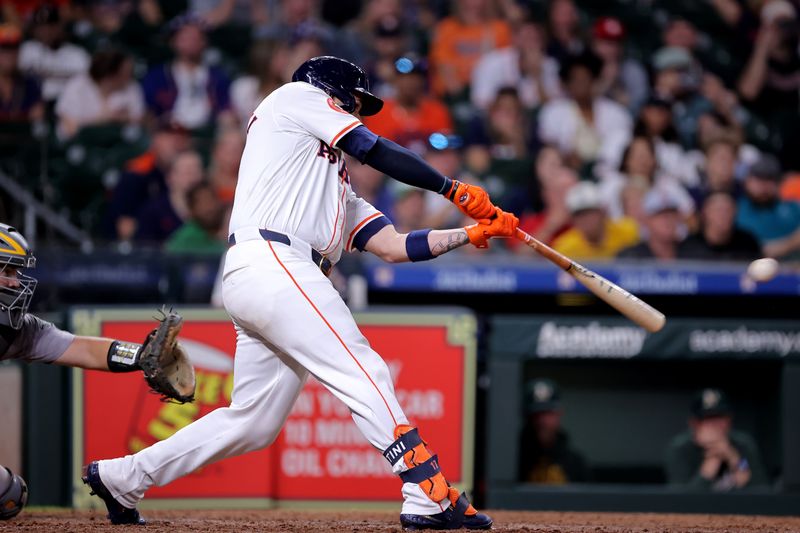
[545, 455]
[718, 238]
[661, 208]
[144, 179]
[710, 455]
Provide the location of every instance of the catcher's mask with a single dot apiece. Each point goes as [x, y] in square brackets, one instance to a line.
[16, 289]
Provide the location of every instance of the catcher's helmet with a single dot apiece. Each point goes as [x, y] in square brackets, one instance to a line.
[16, 289]
[13, 494]
[341, 79]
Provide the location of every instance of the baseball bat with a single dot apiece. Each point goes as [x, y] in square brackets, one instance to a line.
[626, 303]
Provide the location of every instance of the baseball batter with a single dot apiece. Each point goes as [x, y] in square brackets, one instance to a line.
[28, 338]
[294, 214]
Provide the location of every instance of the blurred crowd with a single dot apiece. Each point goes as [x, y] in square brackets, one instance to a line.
[639, 129]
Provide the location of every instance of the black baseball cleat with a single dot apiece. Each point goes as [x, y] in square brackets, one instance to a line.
[453, 517]
[117, 513]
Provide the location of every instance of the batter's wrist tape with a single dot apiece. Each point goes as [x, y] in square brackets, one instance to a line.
[123, 356]
[417, 247]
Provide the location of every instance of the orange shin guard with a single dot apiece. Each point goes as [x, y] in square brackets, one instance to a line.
[423, 467]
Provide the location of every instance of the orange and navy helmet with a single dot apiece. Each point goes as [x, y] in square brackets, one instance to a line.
[16, 289]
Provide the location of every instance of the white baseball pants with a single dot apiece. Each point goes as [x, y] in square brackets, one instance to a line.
[290, 321]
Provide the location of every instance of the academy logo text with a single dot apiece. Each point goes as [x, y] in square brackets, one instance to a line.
[743, 340]
[589, 340]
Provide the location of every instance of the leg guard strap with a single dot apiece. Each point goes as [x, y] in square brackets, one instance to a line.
[460, 507]
[422, 471]
[405, 443]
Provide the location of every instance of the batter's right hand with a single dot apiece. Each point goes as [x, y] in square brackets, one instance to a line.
[502, 225]
[472, 200]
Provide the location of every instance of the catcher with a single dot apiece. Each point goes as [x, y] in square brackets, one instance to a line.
[26, 337]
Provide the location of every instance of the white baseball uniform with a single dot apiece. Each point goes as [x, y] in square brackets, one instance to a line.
[290, 321]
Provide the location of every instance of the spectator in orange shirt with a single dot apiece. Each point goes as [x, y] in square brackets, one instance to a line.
[411, 114]
[460, 40]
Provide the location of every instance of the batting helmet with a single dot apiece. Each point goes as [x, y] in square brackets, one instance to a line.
[341, 79]
[13, 494]
[16, 289]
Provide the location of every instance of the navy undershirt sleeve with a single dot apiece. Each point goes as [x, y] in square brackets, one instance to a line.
[393, 160]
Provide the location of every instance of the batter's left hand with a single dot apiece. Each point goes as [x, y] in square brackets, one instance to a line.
[472, 200]
[502, 225]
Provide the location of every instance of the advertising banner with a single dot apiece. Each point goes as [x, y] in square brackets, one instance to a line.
[618, 338]
[320, 454]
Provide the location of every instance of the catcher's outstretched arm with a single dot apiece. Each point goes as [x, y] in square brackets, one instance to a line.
[90, 353]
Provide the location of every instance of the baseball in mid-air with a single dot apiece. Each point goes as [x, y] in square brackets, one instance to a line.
[762, 270]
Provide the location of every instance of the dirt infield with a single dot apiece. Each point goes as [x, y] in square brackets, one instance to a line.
[356, 522]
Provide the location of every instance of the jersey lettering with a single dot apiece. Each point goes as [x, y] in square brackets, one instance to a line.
[327, 152]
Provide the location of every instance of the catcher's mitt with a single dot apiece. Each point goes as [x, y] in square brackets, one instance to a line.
[163, 360]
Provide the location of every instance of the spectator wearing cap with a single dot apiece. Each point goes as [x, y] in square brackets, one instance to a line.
[563, 27]
[762, 212]
[411, 113]
[202, 231]
[622, 79]
[378, 34]
[662, 224]
[20, 95]
[711, 455]
[390, 39]
[586, 128]
[593, 234]
[185, 90]
[460, 40]
[546, 456]
[107, 94]
[524, 66]
[718, 238]
[164, 214]
[48, 56]
[143, 179]
[677, 80]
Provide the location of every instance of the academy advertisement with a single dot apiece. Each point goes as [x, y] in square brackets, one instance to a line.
[320, 454]
[618, 338]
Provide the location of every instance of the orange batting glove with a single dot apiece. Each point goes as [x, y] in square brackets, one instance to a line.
[472, 200]
[503, 225]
